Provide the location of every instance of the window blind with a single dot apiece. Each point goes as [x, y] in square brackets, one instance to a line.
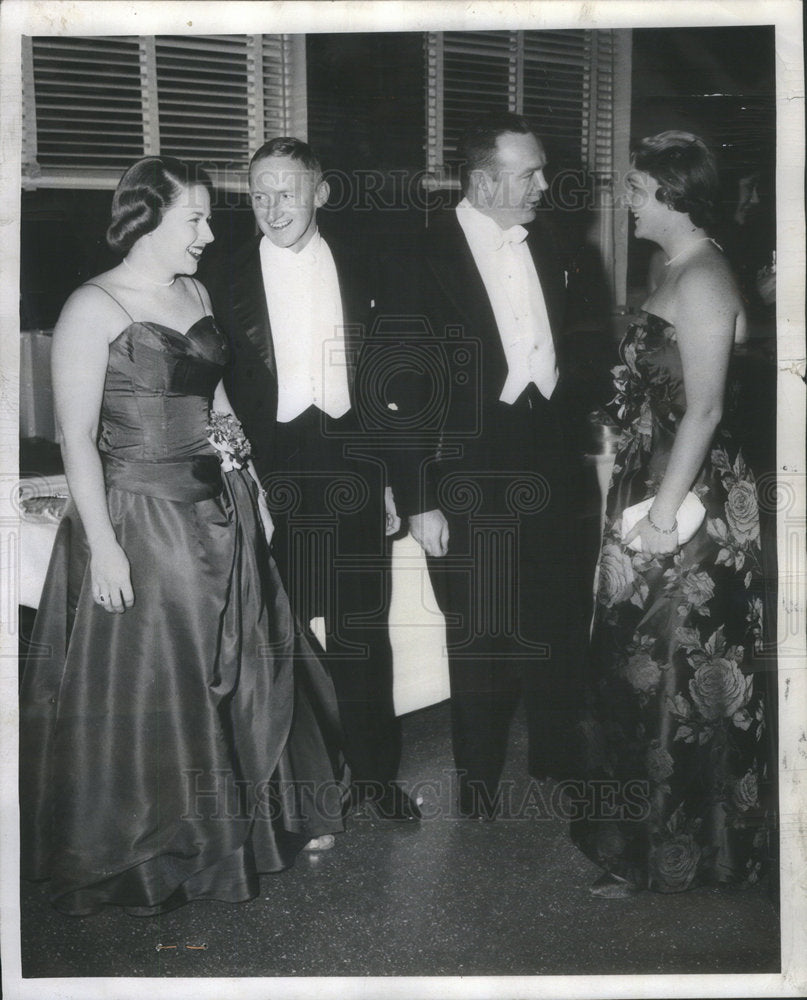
[598, 131]
[557, 91]
[561, 81]
[87, 103]
[202, 98]
[277, 75]
[92, 105]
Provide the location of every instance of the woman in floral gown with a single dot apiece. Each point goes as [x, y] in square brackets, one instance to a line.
[674, 739]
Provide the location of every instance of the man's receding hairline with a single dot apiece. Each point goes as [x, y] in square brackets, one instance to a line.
[538, 140]
[494, 156]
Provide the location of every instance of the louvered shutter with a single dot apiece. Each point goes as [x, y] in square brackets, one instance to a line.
[561, 81]
[556, 91]
[86, 107]
[599, 120]
[479, 76]
[93, 105]
[202, 98]
[283, 88]
[468, 73]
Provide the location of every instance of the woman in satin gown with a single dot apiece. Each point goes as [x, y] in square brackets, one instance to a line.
[676, 729]
[177, 738]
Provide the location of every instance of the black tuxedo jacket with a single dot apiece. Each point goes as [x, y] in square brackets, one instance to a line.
[239, 306]
[434, 306]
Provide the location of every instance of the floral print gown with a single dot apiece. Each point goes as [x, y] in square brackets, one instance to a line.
[673, 735]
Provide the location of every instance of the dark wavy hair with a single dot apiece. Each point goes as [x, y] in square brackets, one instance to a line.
[476, 148]
[146, 190]
[686, 172]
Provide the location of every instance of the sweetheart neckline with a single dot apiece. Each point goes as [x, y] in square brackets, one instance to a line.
[162, 326]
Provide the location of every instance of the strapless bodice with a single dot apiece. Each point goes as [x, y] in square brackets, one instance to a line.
[650, 379]
[158, 389]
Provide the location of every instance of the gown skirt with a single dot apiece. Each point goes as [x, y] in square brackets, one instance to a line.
[675, 732]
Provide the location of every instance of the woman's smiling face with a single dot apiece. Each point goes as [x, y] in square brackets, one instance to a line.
[648, 212]
[184, 231]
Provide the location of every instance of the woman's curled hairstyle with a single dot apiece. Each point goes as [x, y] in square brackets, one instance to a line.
[686, 173]
[145, 191]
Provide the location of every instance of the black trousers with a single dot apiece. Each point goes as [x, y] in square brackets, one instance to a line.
[509, 588]
[326, 500]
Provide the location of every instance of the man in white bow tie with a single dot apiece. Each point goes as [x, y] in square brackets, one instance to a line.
[293, 306]
[486, 479]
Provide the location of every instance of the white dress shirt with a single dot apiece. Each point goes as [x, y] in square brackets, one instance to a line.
[511, 281]
[305, 312]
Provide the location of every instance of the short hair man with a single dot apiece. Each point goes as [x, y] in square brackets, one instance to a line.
[289, 304]
[488, 492]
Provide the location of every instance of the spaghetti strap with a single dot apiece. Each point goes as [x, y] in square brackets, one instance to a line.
[123, 307]
[195, 284]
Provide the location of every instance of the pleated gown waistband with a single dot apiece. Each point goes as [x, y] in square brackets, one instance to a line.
[187, 481]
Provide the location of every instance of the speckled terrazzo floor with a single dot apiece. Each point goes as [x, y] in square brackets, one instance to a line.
[449, 897]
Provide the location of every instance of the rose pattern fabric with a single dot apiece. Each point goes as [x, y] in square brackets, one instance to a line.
[660, 762]
[673, 703]
[643, 672]
[742, 512]
[746, 791]
[674, 863]
[616, 575]
[719, 689]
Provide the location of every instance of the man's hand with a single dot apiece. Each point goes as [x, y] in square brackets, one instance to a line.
[430, 531]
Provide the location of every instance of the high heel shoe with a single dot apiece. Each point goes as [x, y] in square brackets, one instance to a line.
[610, 886]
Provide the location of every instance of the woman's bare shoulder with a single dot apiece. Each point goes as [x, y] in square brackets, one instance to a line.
[196, 289]
[709, 283]
[96, 289]
[93, 309]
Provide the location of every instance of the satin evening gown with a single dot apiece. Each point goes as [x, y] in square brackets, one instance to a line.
[675, 736]
[177, 750]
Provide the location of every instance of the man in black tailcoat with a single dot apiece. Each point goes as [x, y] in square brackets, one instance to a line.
[482, 457]
[291, 307]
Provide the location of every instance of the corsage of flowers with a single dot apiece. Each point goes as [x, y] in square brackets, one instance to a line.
[227, 436]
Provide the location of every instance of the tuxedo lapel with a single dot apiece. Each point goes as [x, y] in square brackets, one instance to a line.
[353, 311]
[251, 314]
[452, 262]
[546, 267]
[250, 310]
[454, 267]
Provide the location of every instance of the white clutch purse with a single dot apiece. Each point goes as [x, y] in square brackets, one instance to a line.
[689, 517]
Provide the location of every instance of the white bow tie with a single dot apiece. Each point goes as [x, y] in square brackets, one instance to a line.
[515, 234]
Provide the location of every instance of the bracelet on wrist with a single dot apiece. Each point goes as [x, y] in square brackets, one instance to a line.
[662, 531]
